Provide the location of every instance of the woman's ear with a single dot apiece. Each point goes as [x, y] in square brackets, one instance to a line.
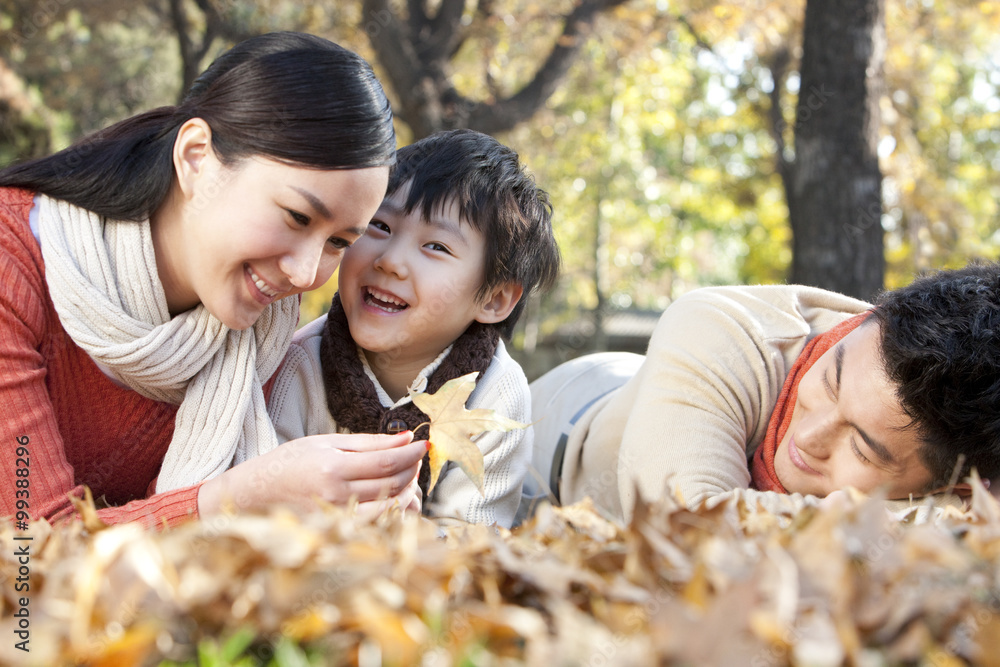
[497, 306]
[192, 149]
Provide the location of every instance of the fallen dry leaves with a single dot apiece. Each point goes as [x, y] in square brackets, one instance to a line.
[730, 585]
[452, 428]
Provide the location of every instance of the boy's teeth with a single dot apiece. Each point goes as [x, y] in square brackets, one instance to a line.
[385, 301]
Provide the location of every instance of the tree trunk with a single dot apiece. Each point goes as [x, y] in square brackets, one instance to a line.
[834, 185]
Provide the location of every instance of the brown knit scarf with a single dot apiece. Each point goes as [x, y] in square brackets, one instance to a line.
[351, 395]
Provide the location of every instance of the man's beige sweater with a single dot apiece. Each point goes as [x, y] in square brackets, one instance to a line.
[700, 403]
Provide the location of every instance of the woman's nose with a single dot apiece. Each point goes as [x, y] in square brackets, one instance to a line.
[302, 265]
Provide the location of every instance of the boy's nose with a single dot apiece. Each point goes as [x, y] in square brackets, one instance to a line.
[391, 261]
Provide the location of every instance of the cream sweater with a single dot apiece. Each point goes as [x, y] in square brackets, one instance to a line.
[298, 408]
[700, 403]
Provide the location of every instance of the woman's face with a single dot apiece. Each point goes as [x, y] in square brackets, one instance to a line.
[238, 238]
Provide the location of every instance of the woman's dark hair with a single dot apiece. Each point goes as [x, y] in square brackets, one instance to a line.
[940, 347]
[290, 97]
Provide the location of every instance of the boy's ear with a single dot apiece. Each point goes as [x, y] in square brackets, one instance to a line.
[497, 307]
[191, 148]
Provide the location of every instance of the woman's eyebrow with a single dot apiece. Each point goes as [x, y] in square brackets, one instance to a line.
[314, 201]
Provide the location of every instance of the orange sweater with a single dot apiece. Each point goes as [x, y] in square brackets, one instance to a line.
[80, 427]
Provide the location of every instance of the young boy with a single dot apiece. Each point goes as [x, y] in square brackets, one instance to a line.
[462, 238]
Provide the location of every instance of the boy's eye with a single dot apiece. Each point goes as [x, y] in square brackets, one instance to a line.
[379, 225]
[437, 247]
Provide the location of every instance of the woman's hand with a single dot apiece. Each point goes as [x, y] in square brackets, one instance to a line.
[379, 470]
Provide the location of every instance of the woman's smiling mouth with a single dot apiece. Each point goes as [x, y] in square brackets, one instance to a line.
[262, 285]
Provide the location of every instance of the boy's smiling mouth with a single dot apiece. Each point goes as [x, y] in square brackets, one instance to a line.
[386, 301]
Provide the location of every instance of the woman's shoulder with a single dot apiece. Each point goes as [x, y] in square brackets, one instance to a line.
[21, 267]
[17, 198]
[15, 212]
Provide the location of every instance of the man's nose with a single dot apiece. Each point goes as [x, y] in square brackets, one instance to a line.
[817, 432]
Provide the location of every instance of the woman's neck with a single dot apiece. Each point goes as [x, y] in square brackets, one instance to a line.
[166, 230]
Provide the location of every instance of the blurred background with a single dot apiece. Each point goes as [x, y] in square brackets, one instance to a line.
[684, 143]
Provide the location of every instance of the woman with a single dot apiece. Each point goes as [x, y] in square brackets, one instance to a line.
[150, 282]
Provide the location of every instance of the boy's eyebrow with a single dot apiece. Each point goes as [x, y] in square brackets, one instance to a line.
[445, 224]
[881, 451]
[391, 205]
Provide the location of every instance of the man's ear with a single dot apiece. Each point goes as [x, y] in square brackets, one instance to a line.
[497, 306]
[963, 490]
[192, 149]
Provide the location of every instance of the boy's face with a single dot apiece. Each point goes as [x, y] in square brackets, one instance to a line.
[409, 285]
[848, 427]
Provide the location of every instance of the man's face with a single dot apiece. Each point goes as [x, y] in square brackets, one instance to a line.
[848, 427]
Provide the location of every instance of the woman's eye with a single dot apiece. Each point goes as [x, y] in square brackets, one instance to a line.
[299, 218]
[339, 244]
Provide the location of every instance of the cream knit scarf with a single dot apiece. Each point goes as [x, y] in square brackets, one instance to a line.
[103, 281]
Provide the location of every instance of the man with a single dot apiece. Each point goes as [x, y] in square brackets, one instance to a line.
[792, 392]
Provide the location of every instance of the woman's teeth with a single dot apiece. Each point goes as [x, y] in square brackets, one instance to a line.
[262, 286]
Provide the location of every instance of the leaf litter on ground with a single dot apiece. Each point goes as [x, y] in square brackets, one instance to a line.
[848, 584]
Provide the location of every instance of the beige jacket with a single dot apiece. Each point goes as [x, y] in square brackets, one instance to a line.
[298, 408]
[700, 403]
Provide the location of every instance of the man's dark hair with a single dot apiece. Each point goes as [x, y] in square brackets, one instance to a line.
[495, 195]
[941, 349]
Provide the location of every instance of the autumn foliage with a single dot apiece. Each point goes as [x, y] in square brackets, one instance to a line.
[843, 584]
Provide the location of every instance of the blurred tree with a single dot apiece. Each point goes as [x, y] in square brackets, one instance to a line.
[24, 128]
[655, 144]
[833, 185]
[417, 54]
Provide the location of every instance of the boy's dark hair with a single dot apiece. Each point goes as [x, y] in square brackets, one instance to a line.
[497, 197]
[288, 96]
[941, 349]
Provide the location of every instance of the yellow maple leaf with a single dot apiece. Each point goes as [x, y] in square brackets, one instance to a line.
[453, 427]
